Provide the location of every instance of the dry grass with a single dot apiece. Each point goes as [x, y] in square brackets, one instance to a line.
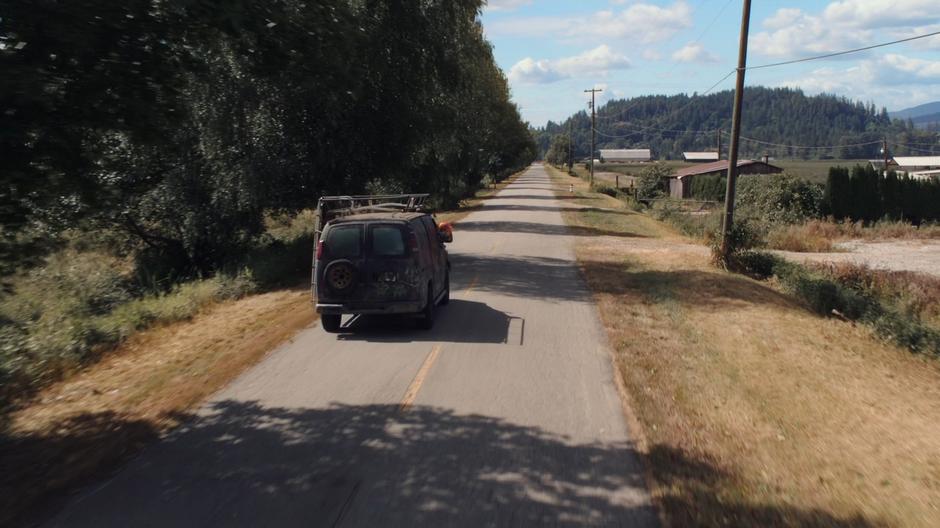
[820, 235]
[757, 412]
[93, 420]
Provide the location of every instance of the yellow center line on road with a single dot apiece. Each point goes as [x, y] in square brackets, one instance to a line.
[409, 398]
[473, 282]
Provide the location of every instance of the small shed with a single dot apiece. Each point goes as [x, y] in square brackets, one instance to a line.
[625, 155]
[700, 157]
[680, 186]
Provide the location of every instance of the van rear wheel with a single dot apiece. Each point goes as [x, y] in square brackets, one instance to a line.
[427, 315]
[446, 298]
[330, 322]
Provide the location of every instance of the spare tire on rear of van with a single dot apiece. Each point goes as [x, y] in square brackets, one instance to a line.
[341, 276]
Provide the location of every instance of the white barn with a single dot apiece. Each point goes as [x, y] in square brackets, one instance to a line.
[700, 156]
[625, 155]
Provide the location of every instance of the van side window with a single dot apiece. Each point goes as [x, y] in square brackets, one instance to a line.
[344, 241]
[387, 241]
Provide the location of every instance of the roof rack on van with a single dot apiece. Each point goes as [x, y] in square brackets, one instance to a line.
[330, 207]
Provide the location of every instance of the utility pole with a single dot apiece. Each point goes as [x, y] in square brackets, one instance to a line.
[593, 91]
[569, 145]
[884, 151]
[719, 144]
[735, 136]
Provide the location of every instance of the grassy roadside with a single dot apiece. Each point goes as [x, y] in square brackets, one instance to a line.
[755, 411]
[92, 421]
[96, 417]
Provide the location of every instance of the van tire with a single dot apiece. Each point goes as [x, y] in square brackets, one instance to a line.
[446, 297]
[427, 315]
[330, 322]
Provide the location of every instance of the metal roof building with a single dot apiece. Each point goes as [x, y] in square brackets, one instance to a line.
[680, 186]
[917, 162]
[621, 155]
[700, 156]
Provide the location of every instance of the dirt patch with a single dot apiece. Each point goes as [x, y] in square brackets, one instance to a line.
[922, 256]
[97, 418]
[755, 411]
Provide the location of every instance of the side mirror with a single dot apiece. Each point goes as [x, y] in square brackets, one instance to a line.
[445, 232]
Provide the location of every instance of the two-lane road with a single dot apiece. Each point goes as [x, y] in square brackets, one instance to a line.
[505, 414]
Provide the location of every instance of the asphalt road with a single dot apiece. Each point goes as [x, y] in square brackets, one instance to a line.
[505, 414]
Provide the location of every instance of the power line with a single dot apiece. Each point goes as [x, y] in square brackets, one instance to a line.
[934, 151]
[660, 130]
[809, 147]
[677, 111]
[675, 62]
[846, 52]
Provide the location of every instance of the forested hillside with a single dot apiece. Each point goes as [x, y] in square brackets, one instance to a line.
[672, 124]
[175, 127]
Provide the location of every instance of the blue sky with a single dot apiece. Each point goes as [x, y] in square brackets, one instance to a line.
[551, 50]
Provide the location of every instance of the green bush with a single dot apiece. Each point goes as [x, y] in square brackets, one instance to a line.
[768, 200]
[827, 296]
[757, 264]
[709, 187]
[743, 236]
[66, 314]
[652, 181]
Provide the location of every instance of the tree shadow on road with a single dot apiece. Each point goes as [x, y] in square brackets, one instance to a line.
[537, 278]
[245, 464]
[537, 228]
[549, 208]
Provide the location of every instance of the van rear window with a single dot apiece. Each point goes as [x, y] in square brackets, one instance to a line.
[388, 241]
[344, 241]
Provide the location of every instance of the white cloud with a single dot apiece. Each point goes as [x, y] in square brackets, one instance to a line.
[693, 52]
[638, 22]
[505, 5]
[651, 54]
[893, 80]
[844, 24]
[597, 61]
[529, 70]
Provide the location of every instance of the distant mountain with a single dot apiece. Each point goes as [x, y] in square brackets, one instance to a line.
[927, 121]
[673, 124]
[917, 111]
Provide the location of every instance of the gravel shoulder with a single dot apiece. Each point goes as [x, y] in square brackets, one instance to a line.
[922, 256]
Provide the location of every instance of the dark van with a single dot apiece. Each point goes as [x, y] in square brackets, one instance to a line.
[379, 255]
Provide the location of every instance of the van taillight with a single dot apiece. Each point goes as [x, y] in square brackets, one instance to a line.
[412, 242]
[320, 249]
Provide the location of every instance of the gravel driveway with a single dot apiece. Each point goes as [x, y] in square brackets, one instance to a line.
[900, 255]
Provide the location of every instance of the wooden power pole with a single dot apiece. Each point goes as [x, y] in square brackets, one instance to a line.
[569, 145]
[728, 220]
[593, 91]
[884, 151]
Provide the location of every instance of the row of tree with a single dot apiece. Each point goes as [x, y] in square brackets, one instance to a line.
[179, 125]
[671, 125]
[864, 194]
